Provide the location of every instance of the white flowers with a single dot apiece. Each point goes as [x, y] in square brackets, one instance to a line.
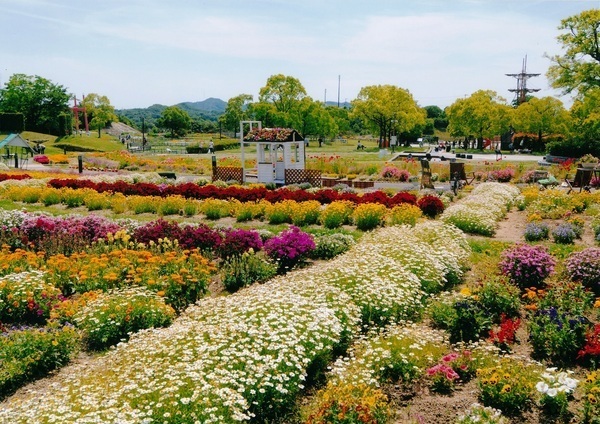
[553, 383]
[479, 212]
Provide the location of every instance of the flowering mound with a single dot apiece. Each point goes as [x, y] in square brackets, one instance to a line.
[479, 213]
[527, 266]
[584, 266]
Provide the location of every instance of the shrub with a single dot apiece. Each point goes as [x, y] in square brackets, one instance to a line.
[584, 267]
[431, 205]
[503, 175]
[336, 214]
[463, 318]
[111, 317]
[30, 353]
[590, 398]
[155, 230]
[564, 234]
[405, 213]
[330, 245]
[395, 174]
[527, 266]
[26, 298]
[508, 386]
[43, 159]
[238, 241]
[243, 270]
[442, 378]
[498, 297]
[171, 205]
[505, 335]
[289, 248]
[557, 336]
[348, 404]
[535, 231]
[556, 389]
[368, 216]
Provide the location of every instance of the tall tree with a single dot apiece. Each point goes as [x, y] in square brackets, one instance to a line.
[99, 110]
[39, 100]
[175, 119]
[312, 118]
[483, 114]
[236, 111]
[586, 117]
[578, 69]
[542, 117]
[284, 92]
[387, 109]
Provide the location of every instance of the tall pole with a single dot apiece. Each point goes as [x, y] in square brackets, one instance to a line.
[339, 79]
[325, 101]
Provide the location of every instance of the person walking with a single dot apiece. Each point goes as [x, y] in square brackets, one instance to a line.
[211, 147]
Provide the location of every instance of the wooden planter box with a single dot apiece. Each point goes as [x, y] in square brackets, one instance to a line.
[363, 184]
[329, 181]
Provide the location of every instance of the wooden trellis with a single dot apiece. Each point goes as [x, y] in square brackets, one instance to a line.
[297, 176]
[228, 173]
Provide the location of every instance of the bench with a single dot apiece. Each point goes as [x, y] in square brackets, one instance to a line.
[170, 175]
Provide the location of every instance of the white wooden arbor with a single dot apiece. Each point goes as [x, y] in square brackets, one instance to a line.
[277, 150]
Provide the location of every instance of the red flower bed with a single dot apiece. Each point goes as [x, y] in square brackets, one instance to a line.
[194, 191]
[4, 177]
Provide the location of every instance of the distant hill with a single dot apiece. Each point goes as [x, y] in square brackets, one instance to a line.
[209, 110]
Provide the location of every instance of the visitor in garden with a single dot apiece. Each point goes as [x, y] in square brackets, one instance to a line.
[211, 147]
[360, 146]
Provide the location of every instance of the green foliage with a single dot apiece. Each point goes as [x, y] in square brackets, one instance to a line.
[27, 354]
[508, 386]
[39, 100]
[12, 123]
[483, 114]
[175, 119]
[111, 317]
[496, 296]
[328, 246]
[387, 108]
[243, 270]
[463, 318]
[578, 68]
[557, 336]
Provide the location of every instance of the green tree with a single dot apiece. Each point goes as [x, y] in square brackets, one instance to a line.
[99, 111]
[39, 100]
[578, 69]
[543, 117]
[438, 116]
[387, 109]
[283, 92]
[483, 114]
[312, 118]
[175, 119]
[585, 113]
[236, 111]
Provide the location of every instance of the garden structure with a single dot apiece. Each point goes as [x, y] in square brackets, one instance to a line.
[280, 155]
[14, 147]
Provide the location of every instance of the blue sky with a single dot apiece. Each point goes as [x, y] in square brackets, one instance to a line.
[142, 52]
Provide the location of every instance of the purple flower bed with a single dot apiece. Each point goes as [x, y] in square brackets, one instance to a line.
[527, 266]
[289, 248]
[584, 266]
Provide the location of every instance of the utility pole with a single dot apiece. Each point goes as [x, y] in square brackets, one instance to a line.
[339, 79]
[522, 90]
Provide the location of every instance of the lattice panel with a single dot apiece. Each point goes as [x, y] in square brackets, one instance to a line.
[297, 176]
[227, 173]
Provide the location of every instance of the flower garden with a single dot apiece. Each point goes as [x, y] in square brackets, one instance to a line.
[216, 303]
